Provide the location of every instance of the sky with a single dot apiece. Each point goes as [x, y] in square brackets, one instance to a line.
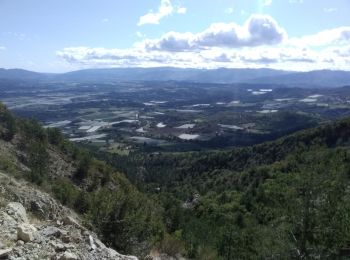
[66, 35]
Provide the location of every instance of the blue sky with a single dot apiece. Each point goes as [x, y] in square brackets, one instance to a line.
[64, 35]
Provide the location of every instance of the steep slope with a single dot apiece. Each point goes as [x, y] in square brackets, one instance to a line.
[124, 218]
[49, 231]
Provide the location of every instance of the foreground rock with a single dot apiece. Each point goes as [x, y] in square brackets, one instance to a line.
[55, 240]
[26, 232]
[17, 211]
[55, 235]
[5, 252]
[68, 256]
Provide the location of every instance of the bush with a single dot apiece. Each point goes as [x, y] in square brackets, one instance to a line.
[7, 165]
[7, 124]
[171, 245]
[85, 162]
[38, 162]
[54, 136]
[65, 192]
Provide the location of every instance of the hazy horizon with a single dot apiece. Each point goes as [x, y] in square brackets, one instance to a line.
[62, 36]
[164, 67]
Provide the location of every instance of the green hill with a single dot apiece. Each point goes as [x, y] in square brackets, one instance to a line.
[279, 200]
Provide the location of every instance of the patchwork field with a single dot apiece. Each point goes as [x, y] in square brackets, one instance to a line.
[120, 117]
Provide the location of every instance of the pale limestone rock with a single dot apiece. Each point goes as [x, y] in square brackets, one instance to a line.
[48, 240]
[19, 243]
[68, 256]
[17, 211]
[26, 232]
[4, 252]
[92, 243]
[114, 254]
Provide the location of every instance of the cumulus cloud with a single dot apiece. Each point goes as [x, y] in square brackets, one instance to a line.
[181, 10]
[165, 9]
[85, 55]
[102, 57]
[259, 42]
[268, 55]
[336, 36]
[280, 58]
[341, 51]
[171, 41]
[258, 30]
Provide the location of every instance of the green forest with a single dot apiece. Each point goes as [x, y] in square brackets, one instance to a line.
[284, 199]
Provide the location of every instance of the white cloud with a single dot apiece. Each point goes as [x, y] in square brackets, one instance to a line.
[2, 48]
[336, 36]
[181, 10]
[341, 51]
[289, 58]
[259, 42]
[258, 30]
[165, 9]
[105, 20]
[102, 57]
[171, 41]
[267, 2]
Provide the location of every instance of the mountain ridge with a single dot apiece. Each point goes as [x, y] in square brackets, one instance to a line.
[316, 78]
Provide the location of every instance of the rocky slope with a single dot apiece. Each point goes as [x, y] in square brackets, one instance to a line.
[33, 225]
[46, 173]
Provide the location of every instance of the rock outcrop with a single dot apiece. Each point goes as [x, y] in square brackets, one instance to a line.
[26, 232]
[55, 240]
[55, 234]
[17, 211]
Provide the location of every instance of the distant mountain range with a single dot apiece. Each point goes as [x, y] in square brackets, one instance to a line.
[175, 74]
[318, 78]
[20, 74]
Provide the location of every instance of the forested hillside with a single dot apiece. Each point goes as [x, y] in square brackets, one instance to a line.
[283, 199]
